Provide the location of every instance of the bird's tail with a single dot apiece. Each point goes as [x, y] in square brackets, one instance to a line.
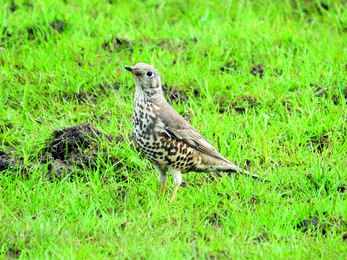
[235, 168]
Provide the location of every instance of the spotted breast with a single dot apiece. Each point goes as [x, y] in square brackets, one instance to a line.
[154, 142]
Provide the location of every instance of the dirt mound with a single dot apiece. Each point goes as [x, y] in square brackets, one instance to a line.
[74, 140]
[71, 150]
[78, 148]
[5, 161]
[8, 162]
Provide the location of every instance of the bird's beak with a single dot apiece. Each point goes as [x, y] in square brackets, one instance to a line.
[132, 69]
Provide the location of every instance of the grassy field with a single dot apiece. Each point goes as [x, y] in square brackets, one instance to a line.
[265, 81]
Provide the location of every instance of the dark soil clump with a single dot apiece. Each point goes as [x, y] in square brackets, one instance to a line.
[71, 150]
[5, 127]
[117, 44]
[321, 223]
[257, 70]
[239, 104]
[328, 186]
[341, 189]
[215, 220]
[277, 72]
[313, 223]
[175, 95]
[287, 107]
[107, 87]
[338, 99]
[34, 33]
[13, 7]
[319, 91]
[9, 162]
[262, 237]
[13, 253]
[58, 25]
[77, 148]
[322, 6]
[71, 140]
[318, 144]
[81, 98]
[5, 161]
[6, 35]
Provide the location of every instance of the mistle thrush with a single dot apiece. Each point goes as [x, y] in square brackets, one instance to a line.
[168, 141]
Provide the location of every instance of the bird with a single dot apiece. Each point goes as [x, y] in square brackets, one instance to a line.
[165, 138]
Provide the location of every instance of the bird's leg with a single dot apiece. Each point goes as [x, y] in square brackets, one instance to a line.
[174, 193]
[162, 177]
[163, 188]
[176, 174]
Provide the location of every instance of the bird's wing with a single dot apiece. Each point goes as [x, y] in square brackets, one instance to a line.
[177, 127]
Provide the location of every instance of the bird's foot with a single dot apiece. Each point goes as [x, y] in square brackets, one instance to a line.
[163, 188]
[174, 193]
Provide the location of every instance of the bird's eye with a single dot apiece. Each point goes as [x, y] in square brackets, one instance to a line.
[149, 73]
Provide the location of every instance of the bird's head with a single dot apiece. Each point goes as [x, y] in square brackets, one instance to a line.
[147, 79]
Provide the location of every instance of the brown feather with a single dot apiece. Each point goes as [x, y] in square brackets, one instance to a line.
[179, 128]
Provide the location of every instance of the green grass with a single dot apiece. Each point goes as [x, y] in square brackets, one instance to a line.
[299, 102]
